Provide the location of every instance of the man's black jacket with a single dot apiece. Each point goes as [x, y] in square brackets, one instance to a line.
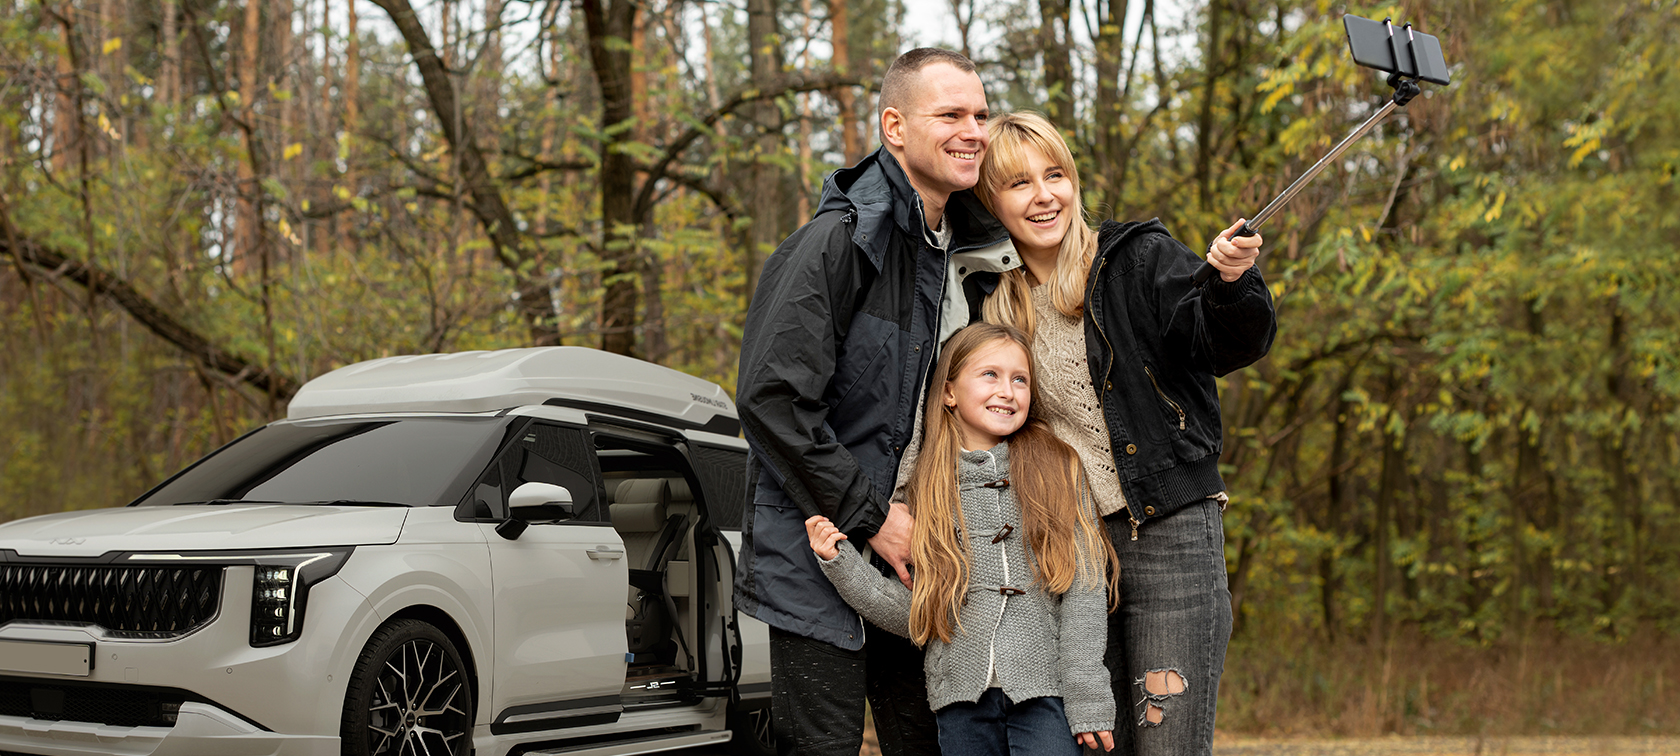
[837, 342]
[1155, 343]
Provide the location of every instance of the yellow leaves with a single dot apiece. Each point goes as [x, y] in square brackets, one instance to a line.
[106, 127]
[1496, 209]
[112, 45]
[292, 150]
[287, 232]
[1280, 83]
[1586, 139]
[1300, 135]
[341, 192]
[1457, 162]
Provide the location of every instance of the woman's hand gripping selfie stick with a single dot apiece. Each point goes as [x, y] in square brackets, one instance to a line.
[1403, 77]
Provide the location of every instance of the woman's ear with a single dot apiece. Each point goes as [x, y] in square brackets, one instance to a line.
[950, 398]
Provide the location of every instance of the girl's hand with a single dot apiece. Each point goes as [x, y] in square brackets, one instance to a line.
[1231, 257]
[824, 536]
[1090, 739]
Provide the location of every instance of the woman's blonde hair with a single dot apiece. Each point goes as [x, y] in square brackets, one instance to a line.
[1047, 480]
[1012, 137]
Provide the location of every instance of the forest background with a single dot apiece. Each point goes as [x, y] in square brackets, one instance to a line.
[1454, 481]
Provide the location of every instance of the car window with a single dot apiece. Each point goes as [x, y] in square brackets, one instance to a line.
[723, 474]
[410, 462]
[541, 453]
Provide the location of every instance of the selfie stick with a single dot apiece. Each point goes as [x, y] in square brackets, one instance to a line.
[1405, 88]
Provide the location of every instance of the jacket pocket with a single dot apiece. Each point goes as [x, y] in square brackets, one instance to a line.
[863, 354]
[1175, 411]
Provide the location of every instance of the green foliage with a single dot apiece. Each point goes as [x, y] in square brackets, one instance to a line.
[1469, 426]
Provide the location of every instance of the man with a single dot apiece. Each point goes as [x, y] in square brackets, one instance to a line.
[838, 340]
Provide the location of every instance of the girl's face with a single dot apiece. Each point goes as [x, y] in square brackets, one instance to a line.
[1038, 206]
[991, 394]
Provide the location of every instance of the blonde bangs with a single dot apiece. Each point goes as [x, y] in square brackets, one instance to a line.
[1013, 139]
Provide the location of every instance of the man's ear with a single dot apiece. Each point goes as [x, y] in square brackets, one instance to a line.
[892, 127]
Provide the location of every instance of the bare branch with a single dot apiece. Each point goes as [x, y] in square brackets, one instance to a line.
[798, 82]
[101, 283]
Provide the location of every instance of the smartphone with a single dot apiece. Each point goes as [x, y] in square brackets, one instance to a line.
[1396, 49]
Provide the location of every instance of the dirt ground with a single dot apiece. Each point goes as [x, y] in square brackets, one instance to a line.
[1425, 746]
[1449, 746]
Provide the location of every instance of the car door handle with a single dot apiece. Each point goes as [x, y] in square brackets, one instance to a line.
[605, 552]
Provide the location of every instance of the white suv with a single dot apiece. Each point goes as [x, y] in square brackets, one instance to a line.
[526, 551]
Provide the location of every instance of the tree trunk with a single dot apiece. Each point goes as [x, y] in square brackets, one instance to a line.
[1054, 38]
[766, 64]
[610, 28]
[1333, 505]
[852, 124]
[169, 67]
[1393, 467]
[1111, 153]
[1211, 61]
[485, 200]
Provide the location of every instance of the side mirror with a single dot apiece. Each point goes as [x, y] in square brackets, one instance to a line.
[535, 502]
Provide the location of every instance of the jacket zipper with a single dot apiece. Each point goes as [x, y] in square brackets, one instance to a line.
[1090, 299]
[1163, 394]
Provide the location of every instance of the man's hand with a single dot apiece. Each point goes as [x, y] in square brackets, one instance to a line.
[892, 541]
[1233, 256]
[823, 537]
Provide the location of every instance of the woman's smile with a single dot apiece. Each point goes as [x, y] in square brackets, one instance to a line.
[1034, 205]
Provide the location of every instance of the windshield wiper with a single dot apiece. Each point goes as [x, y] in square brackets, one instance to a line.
[364, 503]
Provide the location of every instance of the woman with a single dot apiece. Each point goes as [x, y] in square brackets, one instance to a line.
[1129, 349]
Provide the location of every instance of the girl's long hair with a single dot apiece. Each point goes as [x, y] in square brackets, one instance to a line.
[1014, 137]
[1047, 480]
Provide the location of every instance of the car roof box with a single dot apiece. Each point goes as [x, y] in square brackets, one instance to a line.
[579, 377]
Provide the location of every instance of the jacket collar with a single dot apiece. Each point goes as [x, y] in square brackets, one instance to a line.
[1117, 244]
[879, 192]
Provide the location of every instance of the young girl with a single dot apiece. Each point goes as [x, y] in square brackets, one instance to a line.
[1010, 596]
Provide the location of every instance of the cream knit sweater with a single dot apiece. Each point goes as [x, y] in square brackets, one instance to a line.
[1068, 401]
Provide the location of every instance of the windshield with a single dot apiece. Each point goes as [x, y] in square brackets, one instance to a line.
[410, 462]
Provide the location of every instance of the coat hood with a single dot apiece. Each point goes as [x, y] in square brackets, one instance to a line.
[879, 192]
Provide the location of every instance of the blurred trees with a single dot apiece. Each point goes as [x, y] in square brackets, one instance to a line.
[1468, 426]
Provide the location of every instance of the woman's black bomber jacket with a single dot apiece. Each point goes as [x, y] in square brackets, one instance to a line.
[1155, 343]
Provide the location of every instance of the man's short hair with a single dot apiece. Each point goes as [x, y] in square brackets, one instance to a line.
[900, 80]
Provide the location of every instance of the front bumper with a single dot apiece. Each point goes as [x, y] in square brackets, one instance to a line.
[200, 730]
[283, 699]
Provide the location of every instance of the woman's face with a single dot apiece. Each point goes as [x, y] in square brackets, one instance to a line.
[1038, 207]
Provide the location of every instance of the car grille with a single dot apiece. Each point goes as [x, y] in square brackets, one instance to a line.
[126, 601]
[118, 705]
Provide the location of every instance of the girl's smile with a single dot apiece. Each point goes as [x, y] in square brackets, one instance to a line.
[991, 394]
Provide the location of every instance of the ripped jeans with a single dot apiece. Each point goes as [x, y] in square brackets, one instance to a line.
[1166, 643]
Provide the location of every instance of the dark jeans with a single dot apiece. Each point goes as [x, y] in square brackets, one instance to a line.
[817, 692]
[1174, 619]
[995, 725]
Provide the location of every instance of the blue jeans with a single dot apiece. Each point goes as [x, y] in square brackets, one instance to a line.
[1166, 643]
[997, 725]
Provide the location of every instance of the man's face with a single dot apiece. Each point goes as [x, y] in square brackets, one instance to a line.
[940, 135]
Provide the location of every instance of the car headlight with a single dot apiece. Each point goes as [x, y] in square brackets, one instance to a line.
[279, 585]
[280, 591]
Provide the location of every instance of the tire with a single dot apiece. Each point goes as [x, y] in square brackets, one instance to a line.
[408, 695]
[754, 733]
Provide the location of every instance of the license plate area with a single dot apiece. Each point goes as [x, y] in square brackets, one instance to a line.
[46, 658]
